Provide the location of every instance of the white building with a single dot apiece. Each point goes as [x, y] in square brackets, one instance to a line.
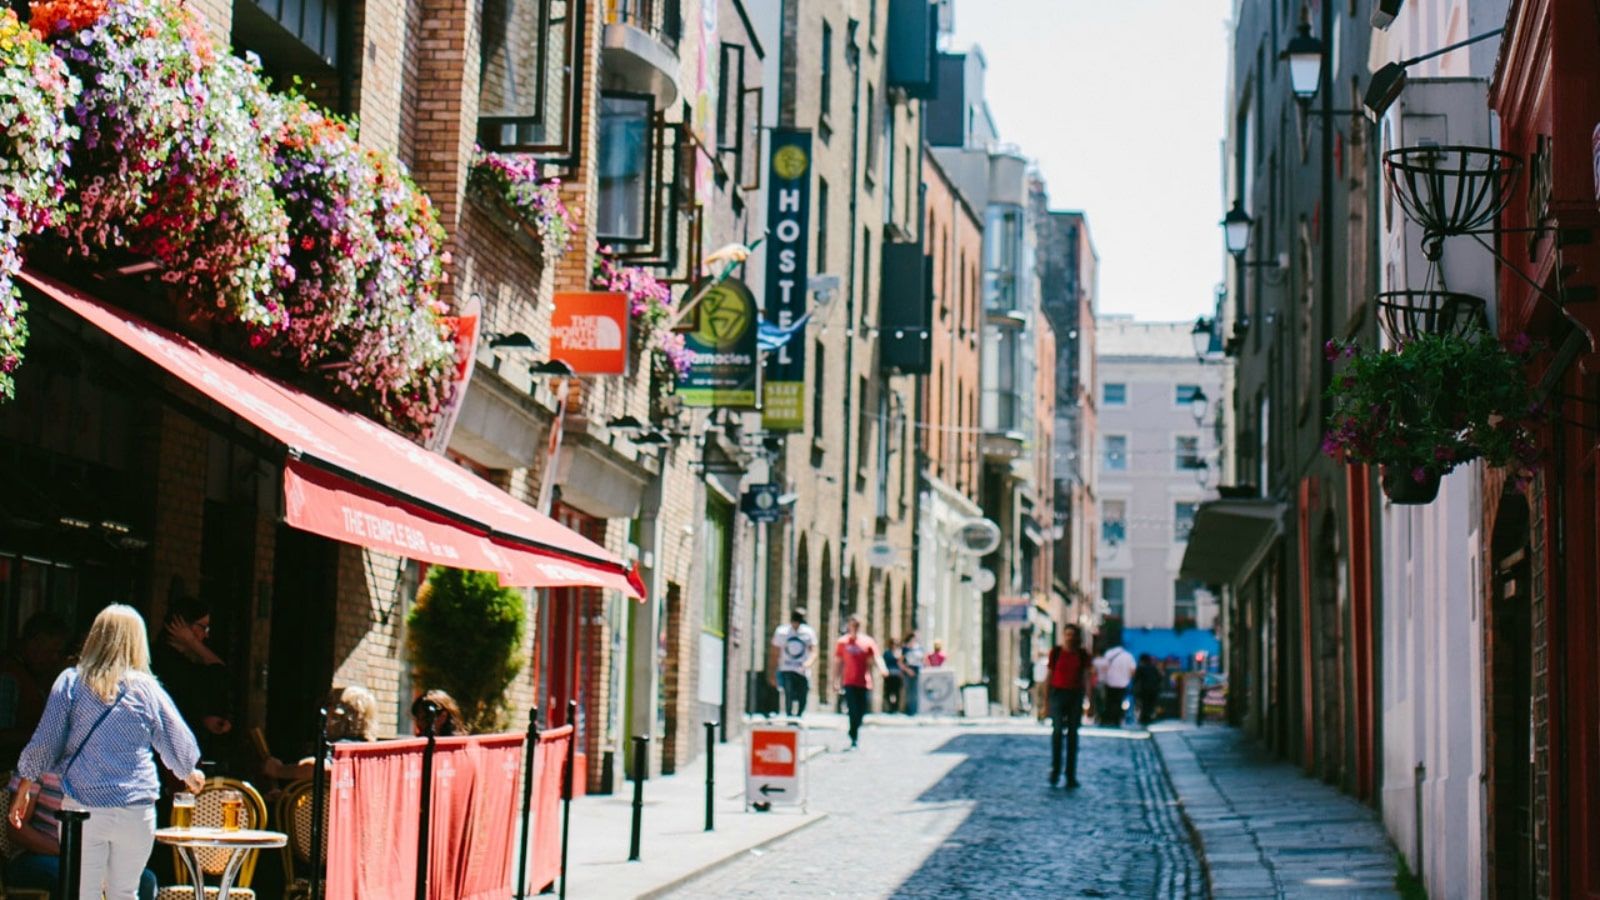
[1157, 459]
[1432, 635]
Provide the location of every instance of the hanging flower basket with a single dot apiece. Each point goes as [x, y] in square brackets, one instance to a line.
[1436, 402]
[1451, 190]
[1406, 489]
[1408, 314]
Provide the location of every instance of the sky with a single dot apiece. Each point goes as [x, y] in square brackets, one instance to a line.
[1120, 103]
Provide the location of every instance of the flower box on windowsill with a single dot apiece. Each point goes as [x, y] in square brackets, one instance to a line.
[515, 225]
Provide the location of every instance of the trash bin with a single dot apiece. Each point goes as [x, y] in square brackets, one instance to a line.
[974, 700]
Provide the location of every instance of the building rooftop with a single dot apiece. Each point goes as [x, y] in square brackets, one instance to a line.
[1124, 336]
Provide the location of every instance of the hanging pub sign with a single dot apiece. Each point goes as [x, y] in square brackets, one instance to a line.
[465, 327]
[789, 223]
[589, 332]
[722, 347]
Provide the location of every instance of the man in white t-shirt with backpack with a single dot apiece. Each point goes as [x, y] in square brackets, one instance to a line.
[794, 650]
[1115, 669]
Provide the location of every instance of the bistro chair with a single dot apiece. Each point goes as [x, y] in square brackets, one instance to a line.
[294, 812]
[208, 813]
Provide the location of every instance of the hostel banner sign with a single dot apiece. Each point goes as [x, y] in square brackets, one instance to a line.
[789, 218]
[722, 346]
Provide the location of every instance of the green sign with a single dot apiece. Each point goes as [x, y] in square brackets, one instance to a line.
[722, 345]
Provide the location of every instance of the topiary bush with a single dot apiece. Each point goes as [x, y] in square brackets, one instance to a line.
[465, 638]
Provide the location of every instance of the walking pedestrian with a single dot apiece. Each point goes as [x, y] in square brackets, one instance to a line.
[1069, 668]
[106, 720]
[857, 657]
[1147, 681]
[911, 661]
[893, 680]
[793, 652]
[1119, 669]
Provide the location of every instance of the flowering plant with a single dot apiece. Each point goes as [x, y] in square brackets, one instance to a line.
[396, 357]
[514, 178]
[650, 304]
[173, 162]
[35, 93]
[328, 191]
[1433, 403]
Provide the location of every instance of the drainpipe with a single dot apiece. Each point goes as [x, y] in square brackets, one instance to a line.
[1420, 774]
[852, 58]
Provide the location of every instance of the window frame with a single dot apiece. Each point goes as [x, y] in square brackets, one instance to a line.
[1177, 453]
[1106, 455]
[1176, 505]
[567, 149]
[1121, 521]
[1105, 399]
[650, 173]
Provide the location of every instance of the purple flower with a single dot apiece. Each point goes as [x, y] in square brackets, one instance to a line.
[1419, 475]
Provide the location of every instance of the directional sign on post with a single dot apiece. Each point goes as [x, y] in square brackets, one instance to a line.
[772, 766]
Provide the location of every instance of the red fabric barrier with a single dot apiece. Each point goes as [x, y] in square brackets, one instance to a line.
[373, 807]
[544, 851]
[376, 800]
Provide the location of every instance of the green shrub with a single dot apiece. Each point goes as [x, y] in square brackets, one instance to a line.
[465, 638]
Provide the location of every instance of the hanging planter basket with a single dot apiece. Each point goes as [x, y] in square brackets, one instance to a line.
[1409, 314]
[1451, 190]
[1402, 488]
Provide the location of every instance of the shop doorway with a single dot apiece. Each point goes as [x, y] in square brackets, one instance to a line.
[1510, 679]
[300, 652]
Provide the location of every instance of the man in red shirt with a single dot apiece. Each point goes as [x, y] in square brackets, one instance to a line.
[857, 657]
[1070, 669]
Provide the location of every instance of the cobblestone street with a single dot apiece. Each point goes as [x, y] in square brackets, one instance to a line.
[942, 811]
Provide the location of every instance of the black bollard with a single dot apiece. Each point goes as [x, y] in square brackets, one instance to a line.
[641, 765]
[319, 802]
[527, 801]
[566, 790]
[711, 769]
[70, 875]
[425, 819]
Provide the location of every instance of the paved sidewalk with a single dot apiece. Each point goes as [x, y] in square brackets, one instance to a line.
[1264, 829]
[673, 845]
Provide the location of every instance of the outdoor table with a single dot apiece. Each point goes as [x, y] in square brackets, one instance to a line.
[187, 841]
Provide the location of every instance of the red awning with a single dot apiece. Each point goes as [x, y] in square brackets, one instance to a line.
[352, 480]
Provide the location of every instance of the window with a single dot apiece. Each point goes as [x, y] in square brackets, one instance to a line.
[1116, 452]
[827, 69]
[1114, 592]
[526, 75]
[1186, 452]
[870, 123]
[867, 278]
[822, 225]
[1002, 247]
[730, 102]
[1114, 521]
[1114, 393]
[819, 353]
[1183, 519]
[1184, 605]
[1185, 394]
[863, 425]
[625, 134]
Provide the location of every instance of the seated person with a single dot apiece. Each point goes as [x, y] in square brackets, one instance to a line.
[34, 851]
[352, 716]
[447, 720]
[25, 679]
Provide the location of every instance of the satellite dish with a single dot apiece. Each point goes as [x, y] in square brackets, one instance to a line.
[978, 537]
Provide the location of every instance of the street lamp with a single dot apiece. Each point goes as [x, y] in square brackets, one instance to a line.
[1304, 55]
[1199, 405]
[1236, 230]
[1200, 335]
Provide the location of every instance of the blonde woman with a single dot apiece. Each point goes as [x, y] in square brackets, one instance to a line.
[105, 721]
[352, 717]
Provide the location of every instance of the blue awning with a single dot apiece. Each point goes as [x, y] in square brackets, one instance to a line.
[1167, 643]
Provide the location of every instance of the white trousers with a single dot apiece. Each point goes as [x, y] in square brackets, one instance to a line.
[116, 846]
